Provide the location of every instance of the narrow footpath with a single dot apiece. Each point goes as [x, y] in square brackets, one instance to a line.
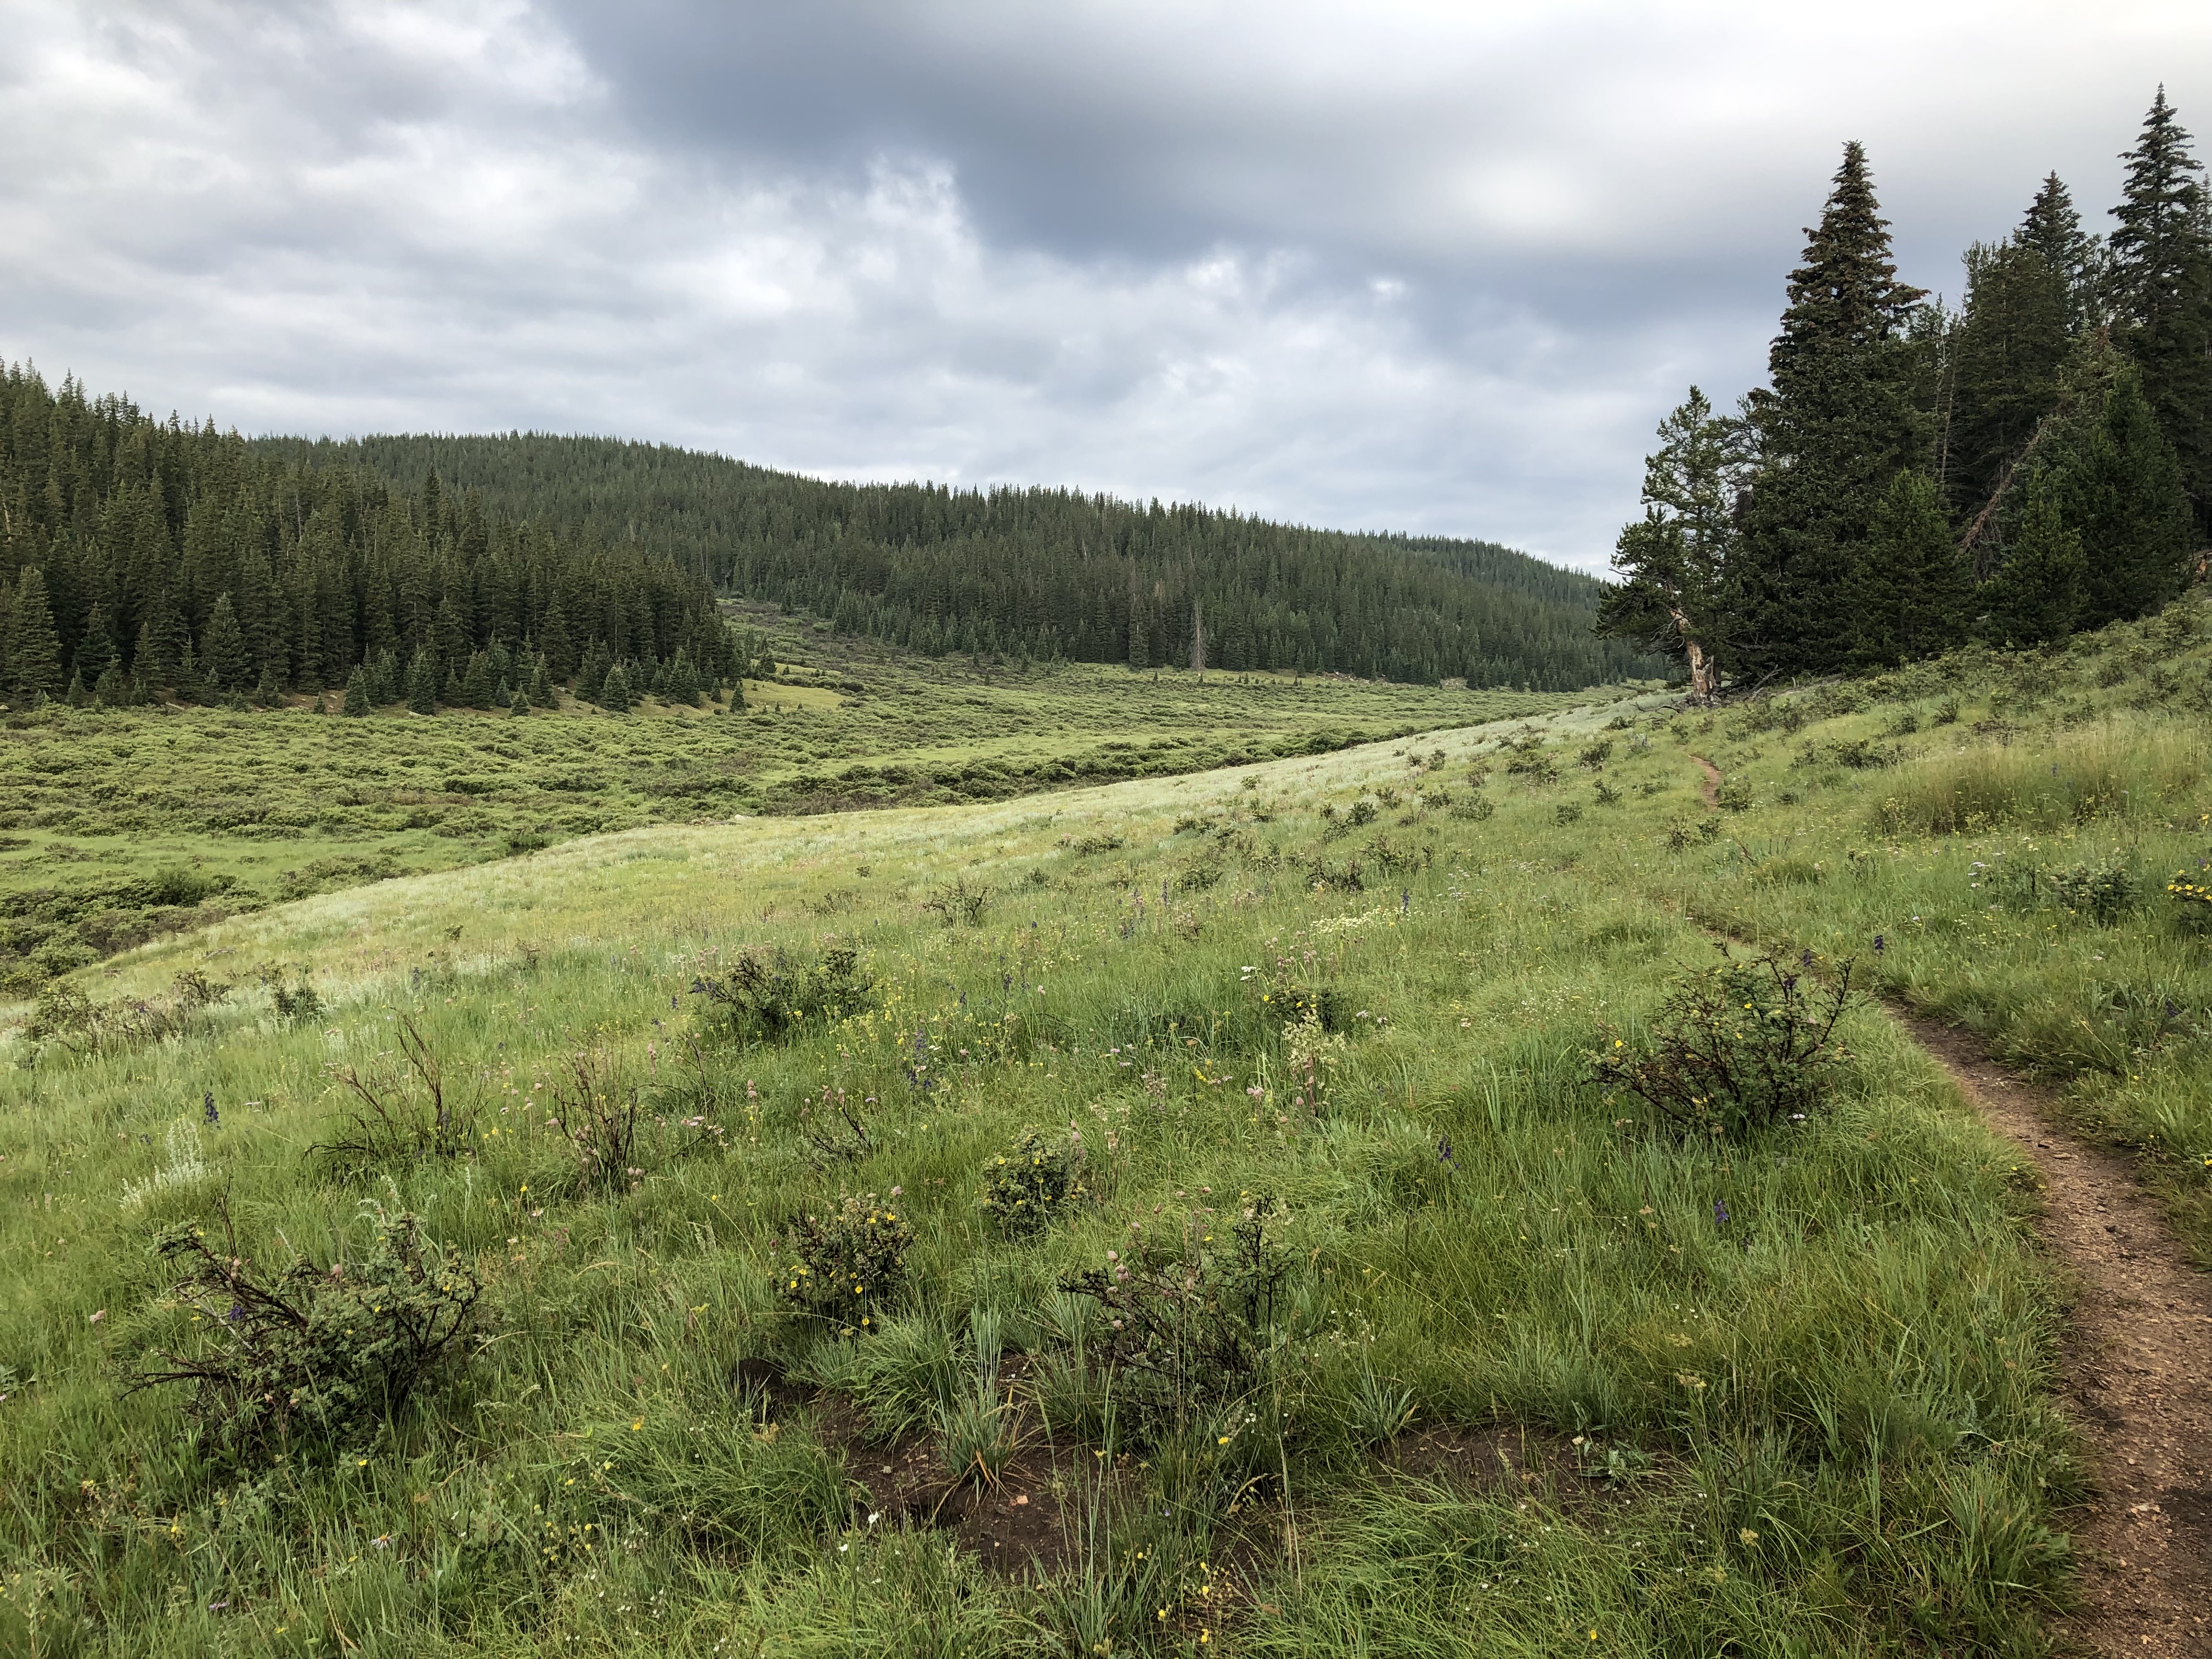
[2135, 1363]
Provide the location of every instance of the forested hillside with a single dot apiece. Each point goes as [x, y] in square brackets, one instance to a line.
[140, 557]
[2035, 463]
[1042, 573]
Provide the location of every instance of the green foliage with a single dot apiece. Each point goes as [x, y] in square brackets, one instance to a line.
[768, 997]
[1189, 1323]
[1025, 1184]
[312, 1357]
[1041, 574]
[844, 1267]
[1736, 1048]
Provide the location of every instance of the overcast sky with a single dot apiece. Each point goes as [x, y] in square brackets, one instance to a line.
[1372, 264]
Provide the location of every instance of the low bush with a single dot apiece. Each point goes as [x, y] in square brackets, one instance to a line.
[769, 998]
[1023, 1185]
[311, 1355]
[1189, 1327]
[846, 1267]
[1736, 1048]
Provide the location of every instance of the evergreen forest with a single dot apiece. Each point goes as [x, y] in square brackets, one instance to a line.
[139, 558]
[1043, 573]
[2035, 462]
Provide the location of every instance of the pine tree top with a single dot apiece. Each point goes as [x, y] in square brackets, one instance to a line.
[2158, 248]
[1846, 293]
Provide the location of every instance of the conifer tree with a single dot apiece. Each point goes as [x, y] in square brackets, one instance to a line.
[519, 704]
[78, 696]
[591, 677]
[34, 649]
[2052, 228]
[2008, 350]
[385, 681]
[96, 649]
[1842, 417]
[477, 685]
[1671, 567]
[224, 658]
[163, 640]
[2119, 485]
[541, 686]
[1914, 585]
[2160, 282]
[112, 689]
[614, 693]
[356, 694]
[2035, 597]
[422, 687]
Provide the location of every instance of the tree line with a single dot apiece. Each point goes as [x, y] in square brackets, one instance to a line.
[141, 557]
[2035, 462]
[1045, 573]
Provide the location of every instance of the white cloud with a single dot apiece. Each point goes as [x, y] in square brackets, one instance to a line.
[1415, 267]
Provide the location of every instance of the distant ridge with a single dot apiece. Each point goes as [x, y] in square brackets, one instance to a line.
[1039, 572]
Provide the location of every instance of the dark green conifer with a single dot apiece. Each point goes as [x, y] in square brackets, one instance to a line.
[163, 640]
[1914, 587]
[34, 649]
[541, 685]
[614, 694]
[592, 675]
[2036, 595]
[2053, 228]
[224, 658]
[269, 690]
[95, 651]
[2007, 350]
[519, 704]
[477, 685]
[77, 697]
[2120, 487]
[2160, 287]
[113, 688]
[357, 703]
[422, 687]
[1842, 417]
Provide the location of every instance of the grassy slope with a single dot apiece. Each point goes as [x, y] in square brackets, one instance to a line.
[118, 825]
[1830, 1409]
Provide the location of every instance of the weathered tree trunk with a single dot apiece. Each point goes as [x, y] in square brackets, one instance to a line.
[1704, 672]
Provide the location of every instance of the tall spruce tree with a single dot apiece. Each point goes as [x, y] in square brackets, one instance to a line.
[2006, 354]
[2053, 228]
[225, 657]
[2161, 288]
[1914, 587]
[2119, 486]
[2035, 597]
[1843, 415]
[35, 648]
[1671, 567]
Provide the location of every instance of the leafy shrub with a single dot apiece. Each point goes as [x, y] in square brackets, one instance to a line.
[1735, 1048]
[1472, 810]
[2102, 892]
[1187, 1328]
[1535, 764]
[1568, 811]
[1734, 796]
[314, 1353]
[1024, 1184]
[294, 1000]
[846, 1267]
[2191, 893]
[603, 1120]
[1596, 755]
[771, 999]
[1363, 812]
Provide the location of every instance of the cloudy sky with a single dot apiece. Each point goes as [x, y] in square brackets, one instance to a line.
[1436, 267]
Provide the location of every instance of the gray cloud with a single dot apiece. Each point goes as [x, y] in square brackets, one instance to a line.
[1412, 266]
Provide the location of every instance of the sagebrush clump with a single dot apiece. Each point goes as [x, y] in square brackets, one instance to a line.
[313, 1355]
[1736, 1047]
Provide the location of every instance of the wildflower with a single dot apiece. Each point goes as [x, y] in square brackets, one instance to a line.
[1720, 1214]
[207, 1101]
[1879, 944]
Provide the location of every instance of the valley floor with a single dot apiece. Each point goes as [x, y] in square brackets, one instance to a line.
[1284, 1276]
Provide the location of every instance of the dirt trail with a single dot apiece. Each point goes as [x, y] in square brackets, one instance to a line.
[1712, 785]
[2137, 1368]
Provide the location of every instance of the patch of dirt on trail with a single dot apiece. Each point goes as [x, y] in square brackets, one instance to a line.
[1712, 782]
[2137, 1368]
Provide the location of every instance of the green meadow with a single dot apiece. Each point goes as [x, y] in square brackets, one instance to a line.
[1248, 1247]
[116, 825]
